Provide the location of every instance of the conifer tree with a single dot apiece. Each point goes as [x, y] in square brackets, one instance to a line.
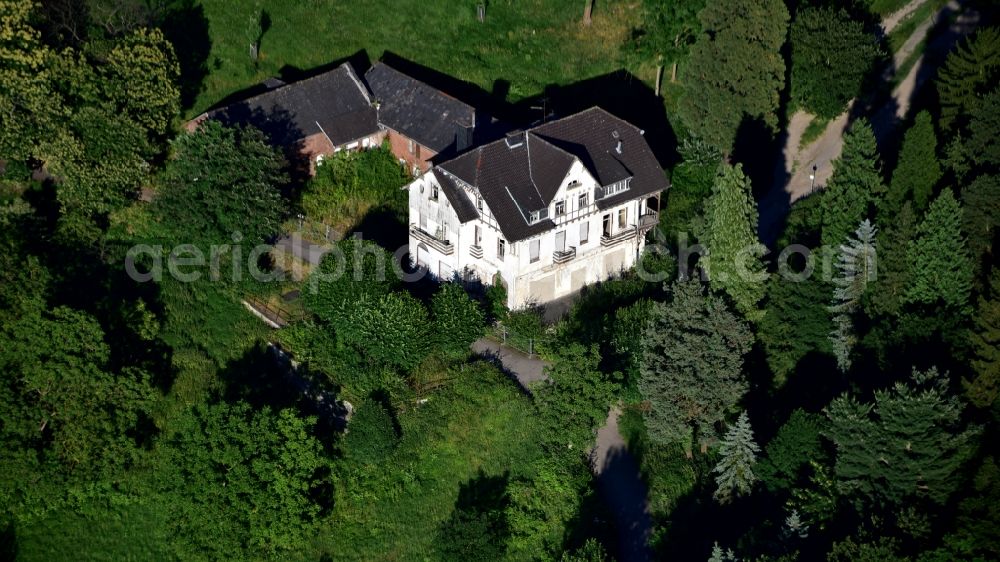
[918, 170]
[909, 444]
[687, 389]
[737, 457]
[981, 216]
[856, 181]
[856, 269]
[886, 295]
[795, 527]
[735, 69]
[940, 264]
[984, 387]
[733, 263]
[968, 73]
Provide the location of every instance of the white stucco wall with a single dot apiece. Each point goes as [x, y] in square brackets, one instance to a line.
[527, 282]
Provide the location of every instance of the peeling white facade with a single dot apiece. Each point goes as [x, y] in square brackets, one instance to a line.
[587, 244]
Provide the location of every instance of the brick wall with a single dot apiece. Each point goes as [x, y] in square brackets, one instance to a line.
[420, 156]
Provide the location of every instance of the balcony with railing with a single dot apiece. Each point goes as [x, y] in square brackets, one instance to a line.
[443, 246]
[648, 220]
[476, 252]
[563, 256]
[617, 238]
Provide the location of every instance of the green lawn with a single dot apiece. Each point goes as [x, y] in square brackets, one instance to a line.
[530, 43]
[125, 533]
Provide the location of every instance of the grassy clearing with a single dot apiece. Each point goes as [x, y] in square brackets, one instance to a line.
[813, 131]
[392, 511]
[529, 43]
[905, 29]
[886, 7]
[127, 532]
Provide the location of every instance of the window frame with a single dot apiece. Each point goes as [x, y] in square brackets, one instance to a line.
[560, 208]
[534, 250]
[501, 248]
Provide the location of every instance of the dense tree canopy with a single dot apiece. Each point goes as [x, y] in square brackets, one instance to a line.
[692, 391]
[968, 73]
[855, 183]
[832, 55]
[918, 170]
[735, 70]
[734, 251]
[910, 443]
[940, 264]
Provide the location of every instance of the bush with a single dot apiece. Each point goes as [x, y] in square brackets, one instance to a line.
[458, 320]
[372, 434]
[347, 184]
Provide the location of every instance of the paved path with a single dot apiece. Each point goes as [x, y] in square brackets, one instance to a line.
[622, 487]
[795, 182]
[522, 368]
[302, 248]
[892, 20]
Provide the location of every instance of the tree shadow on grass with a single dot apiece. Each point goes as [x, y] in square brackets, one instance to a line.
[184, 24]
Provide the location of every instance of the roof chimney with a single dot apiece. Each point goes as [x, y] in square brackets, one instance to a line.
[515, 138]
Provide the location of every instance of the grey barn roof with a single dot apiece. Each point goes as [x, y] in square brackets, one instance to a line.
[523, 174]
[420, 112]
[336, 103]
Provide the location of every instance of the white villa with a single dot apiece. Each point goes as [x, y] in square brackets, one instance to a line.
[543, 211]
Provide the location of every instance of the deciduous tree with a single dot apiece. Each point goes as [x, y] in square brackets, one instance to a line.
[218, 176]
[458, 320]
[831, 56]
[735, 70]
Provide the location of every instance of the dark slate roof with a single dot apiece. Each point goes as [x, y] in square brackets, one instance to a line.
[464, 207]
[523, 172]
[414, 109]
[335, 102]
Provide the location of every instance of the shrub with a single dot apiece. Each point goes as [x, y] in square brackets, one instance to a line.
[372, 434]
[458, 320]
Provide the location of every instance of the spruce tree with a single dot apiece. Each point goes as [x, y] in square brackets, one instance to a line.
[692, 365]
[970, 70]
[940, 264]
[735, 69]
[981, 216]
[918, 170]
[909, 444]
[886, 295]
[856, 181]
[856, 269]
[733, 263]
[984, 387]
[737, 457]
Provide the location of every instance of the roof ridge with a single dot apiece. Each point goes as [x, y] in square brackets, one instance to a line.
[287, 86]
[531, 175]
[421, 83]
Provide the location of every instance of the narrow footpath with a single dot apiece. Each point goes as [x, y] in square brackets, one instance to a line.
[618, 478]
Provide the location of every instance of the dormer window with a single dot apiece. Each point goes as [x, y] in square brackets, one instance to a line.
[434, 193]
[479, 202]
[536, 216]
[614, 188]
